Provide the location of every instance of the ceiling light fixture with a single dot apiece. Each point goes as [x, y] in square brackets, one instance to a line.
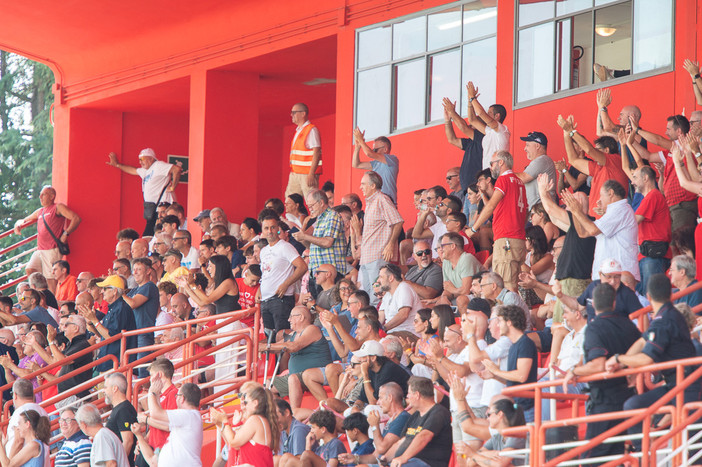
[605, 30]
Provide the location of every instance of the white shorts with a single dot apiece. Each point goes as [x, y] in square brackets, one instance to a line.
[43, 260]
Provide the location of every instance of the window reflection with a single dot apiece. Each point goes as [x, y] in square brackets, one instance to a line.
[373, 101]
[374, 46]
[574, 42]
[479, 22]
[531, 11]
[444, 29]
[613, 41]
[445, 76]
[653, 34]
[564, 7]
[480, 66]
[409, 104]
[408, 37]
[536, 66]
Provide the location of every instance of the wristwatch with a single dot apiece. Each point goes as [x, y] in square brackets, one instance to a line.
[564, 171]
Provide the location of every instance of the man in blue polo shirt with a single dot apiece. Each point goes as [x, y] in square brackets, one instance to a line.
[143, 300]
[682, 276]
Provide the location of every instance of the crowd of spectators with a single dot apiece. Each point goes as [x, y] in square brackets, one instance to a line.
[405, 331]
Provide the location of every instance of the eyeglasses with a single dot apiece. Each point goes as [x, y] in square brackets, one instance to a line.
[486, 283]
[66, 421]
[321, 271]
[355, 364]
[293, 112]
[178, 238]
[70, 323]
[442, 204]
[449, 177]
[426, 252]
[457, 332]
[444, 245]
[344, 288]
[356, 302]
[295, 316]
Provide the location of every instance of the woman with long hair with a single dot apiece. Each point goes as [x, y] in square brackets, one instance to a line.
[295, 210]
[441, 318]
[225, 294]
[423, 327]
[344, 289]
[30, 448]
[539, 217]
[253, 435]
[538, 262]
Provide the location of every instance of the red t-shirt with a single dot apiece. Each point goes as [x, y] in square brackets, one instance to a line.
[612, 170]
[157, 438]
[656, 223]
[247, 299]
[208, 359]
[468, 246]
[674, 193]
[509, 217]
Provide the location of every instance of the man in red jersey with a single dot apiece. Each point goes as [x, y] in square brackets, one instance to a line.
[508, 208]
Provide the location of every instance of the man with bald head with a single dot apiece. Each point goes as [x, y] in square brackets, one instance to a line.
[83, 280]
[140, 248]
[123, 250]
[426, 278]
[181, 308]
[53, 216]
[218, 217]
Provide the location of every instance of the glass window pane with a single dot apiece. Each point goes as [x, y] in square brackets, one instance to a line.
[373, 101]
[408, 37]
[374, 46]
[410, 85]
[613, 41]
[480, 66]
[604, 2]
[564, 7]
[536, 65]
[653, 34]
[479, 21]
[444, 29]
[531, 11]
[574, 42]
[444, 72]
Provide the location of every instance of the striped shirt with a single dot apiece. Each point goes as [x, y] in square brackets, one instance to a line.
[329, 224]
[380, 215]
[75, 450]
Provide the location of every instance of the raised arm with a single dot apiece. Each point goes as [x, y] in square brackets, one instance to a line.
[694, 69]
[474, 120]
[583, 225]
[690, 148]
[644, 153]
[463, 127]
[609, 128]
[684, 174]
[124, 168]
[478, 108]
[569, 130]
[623, 142]
[360, 143]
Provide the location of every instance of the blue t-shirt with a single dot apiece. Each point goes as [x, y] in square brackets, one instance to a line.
[39, 314]
[330, 450]
[119, 317]
[294, 442]
[145, 315]
[365, 448]
[693, 299]
[523, 348]
[388, 172]
[397, 426]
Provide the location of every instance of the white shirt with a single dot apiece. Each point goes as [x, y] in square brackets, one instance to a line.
[571, 349]
[618, 240]
[313, 140]
[191, 260]
[404, 296]
[438, 230]
[473, 381]
[14, 421]
[163, 318]
[107, 447]
[185, 439]
[498, 352]
[276, 267]
[494, 140]
[154, 179]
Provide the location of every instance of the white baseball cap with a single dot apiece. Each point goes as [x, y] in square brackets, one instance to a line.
[147, 152]
[370, 348]
[610, 266]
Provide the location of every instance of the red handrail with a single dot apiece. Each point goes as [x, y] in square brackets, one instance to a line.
[14, 246]
[11, 231]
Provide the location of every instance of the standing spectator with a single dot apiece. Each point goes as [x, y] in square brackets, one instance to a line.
[107, 449]
[690, 181]
[51, 216]
[305, 153]
[682, 276]
[426, 278]
[472, 145]
[328, 189]
[382, 162]
[66, 287]
[23, 400]
[489, 123]
[182, 241]
[400, 302]
[123, 413]
[184, 426]
[508, 208]
[616, 231]
[535, 148]
[328, 242]
[143, 300]
[75, 450]
[164, 391]
[281, 268]
[694, 69]
[293, 433]
[522, 362]
[382, 225]
[653, 218]
[156, 175]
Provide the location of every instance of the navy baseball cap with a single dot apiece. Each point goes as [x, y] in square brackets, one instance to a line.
[536, 137]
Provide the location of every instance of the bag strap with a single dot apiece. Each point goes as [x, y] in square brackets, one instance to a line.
[53, 235]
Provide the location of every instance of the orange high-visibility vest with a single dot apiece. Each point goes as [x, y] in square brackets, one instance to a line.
[300, 156]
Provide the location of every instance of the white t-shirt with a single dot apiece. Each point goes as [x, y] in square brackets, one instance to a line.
[185, 439]
[276, 267]
[473, 381]
[498, 352]
[618, 240]
[154, 179]
[14, 421]
[571, 349]
[107, 447]
[438, 230]
[313, 140]
[404, 296]
[191, 261]
[494, 140]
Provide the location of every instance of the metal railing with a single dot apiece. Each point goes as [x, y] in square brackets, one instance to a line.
[16, 257]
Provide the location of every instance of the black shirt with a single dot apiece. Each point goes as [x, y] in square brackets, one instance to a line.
[472, 159]
[626, 301]
[50, 298]
[575, 173]
[668, 338]
[77, 344]
[389, 372]
[608, 334]
[121, 419]
[438, 452]
[575, 260]
[523, 348]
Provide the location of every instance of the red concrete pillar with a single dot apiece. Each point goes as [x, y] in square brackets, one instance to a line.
[224, 125]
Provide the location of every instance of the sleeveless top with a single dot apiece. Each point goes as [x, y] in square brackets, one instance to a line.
[315, 355]
[300, 156]
[39, 460]
[252, 453]
[55, 221]
[227, 303]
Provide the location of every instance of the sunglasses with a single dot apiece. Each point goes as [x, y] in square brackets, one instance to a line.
[426, 252]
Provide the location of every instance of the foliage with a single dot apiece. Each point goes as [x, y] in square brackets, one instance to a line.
[26, 144]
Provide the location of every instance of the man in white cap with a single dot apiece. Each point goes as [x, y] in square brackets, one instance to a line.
[155, 176]
[610, 273]
[377, 370]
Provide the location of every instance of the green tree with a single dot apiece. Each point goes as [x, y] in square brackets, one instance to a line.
[26, 146]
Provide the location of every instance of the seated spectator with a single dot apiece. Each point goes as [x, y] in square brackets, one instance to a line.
[75, 450]
[422, 327]
[327, 297]
[322, 447]
[456, 223]
[33, 433]
[539, 218]
[23, 400]
[227, 245]
[682, 276]
[172, 267]
[441, 318]
[426, 278]
[32, 311]
[293, 433]
[307, 348]
[66, 288]
[400, 303]
[295, 210]
[38, 282]
[107, 448]
[356, 428]
[377, 370]
[522, 361]
[182, 241]
[162, 243]
[539, 262]
[493, 288]
[27, 363]
[140, 248]
[458, 269]
[123, 267]
[391, 402]
[83, 280]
